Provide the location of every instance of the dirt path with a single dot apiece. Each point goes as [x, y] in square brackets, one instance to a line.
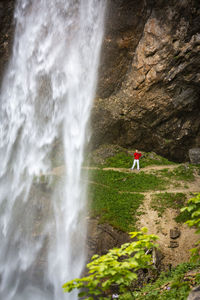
[161, 225]
[60, 170]
[145, 169]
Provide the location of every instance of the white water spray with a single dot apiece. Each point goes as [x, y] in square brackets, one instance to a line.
[46, 96]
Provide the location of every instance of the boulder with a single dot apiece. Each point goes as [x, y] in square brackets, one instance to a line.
[174, 233]
[173, 244]
[194, 155]
[102, 237]
[194, 294]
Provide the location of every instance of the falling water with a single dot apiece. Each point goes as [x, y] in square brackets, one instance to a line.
[45, 100]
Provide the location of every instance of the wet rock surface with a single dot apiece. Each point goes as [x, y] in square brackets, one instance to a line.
[6, 32]
[102, 237]
[149, 88]
[149, 79]
[194, 155]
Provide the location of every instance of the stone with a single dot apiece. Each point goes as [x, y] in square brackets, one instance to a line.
[173, 244]
[194, 155]
[102, 237]
[174, 233]
[6, 32]
[148, 90]
[194, 294]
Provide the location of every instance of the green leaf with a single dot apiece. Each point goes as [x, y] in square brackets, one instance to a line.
[108, 269]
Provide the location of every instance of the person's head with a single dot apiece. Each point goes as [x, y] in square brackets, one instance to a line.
[136, 150]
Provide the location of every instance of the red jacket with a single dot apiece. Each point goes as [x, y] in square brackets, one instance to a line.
[137, 155]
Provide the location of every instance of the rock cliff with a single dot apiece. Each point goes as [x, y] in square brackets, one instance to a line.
[6, 32]
[149, 81]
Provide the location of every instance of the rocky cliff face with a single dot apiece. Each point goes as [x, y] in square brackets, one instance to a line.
[6, 32]
[149, 79]
[149, 90]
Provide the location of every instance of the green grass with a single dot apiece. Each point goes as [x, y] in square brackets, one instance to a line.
[119, 160]
[149, 159]
[170, 285]
[118, 209]
[183, 173]
[125, 160]
[131, 182]
[115, 196]
[160, 202]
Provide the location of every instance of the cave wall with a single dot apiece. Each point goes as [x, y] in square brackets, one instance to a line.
[149, 78]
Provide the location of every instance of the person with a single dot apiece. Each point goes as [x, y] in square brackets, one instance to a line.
[137, 156]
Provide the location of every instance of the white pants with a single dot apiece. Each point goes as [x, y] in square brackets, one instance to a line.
[134, 162]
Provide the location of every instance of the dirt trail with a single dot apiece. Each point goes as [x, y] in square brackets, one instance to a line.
[160, 225]
[145, 169]
[60, 170]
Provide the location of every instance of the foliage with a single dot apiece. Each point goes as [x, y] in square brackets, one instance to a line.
[162, 201]
[130, 182]
[117, 267]
[193, 208]
[171, 285]
[119, 209]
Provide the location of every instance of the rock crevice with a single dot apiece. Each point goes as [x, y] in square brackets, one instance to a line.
[149, 92]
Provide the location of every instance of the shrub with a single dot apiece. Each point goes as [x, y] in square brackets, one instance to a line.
[193, 208]
[117, 267]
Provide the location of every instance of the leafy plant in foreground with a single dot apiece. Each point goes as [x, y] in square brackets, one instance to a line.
[117, 268]
[193, 208]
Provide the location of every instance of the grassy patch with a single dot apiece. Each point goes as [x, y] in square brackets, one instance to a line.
[151, 158]
[183, 173]
[162, 201]
[171, 285]
[125, 160]
[114, 196]
[182, 217]
[119, 160]
[119, 209]
[114, 156]
[131, 182]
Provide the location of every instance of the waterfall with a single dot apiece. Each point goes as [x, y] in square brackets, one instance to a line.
[45, 100]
